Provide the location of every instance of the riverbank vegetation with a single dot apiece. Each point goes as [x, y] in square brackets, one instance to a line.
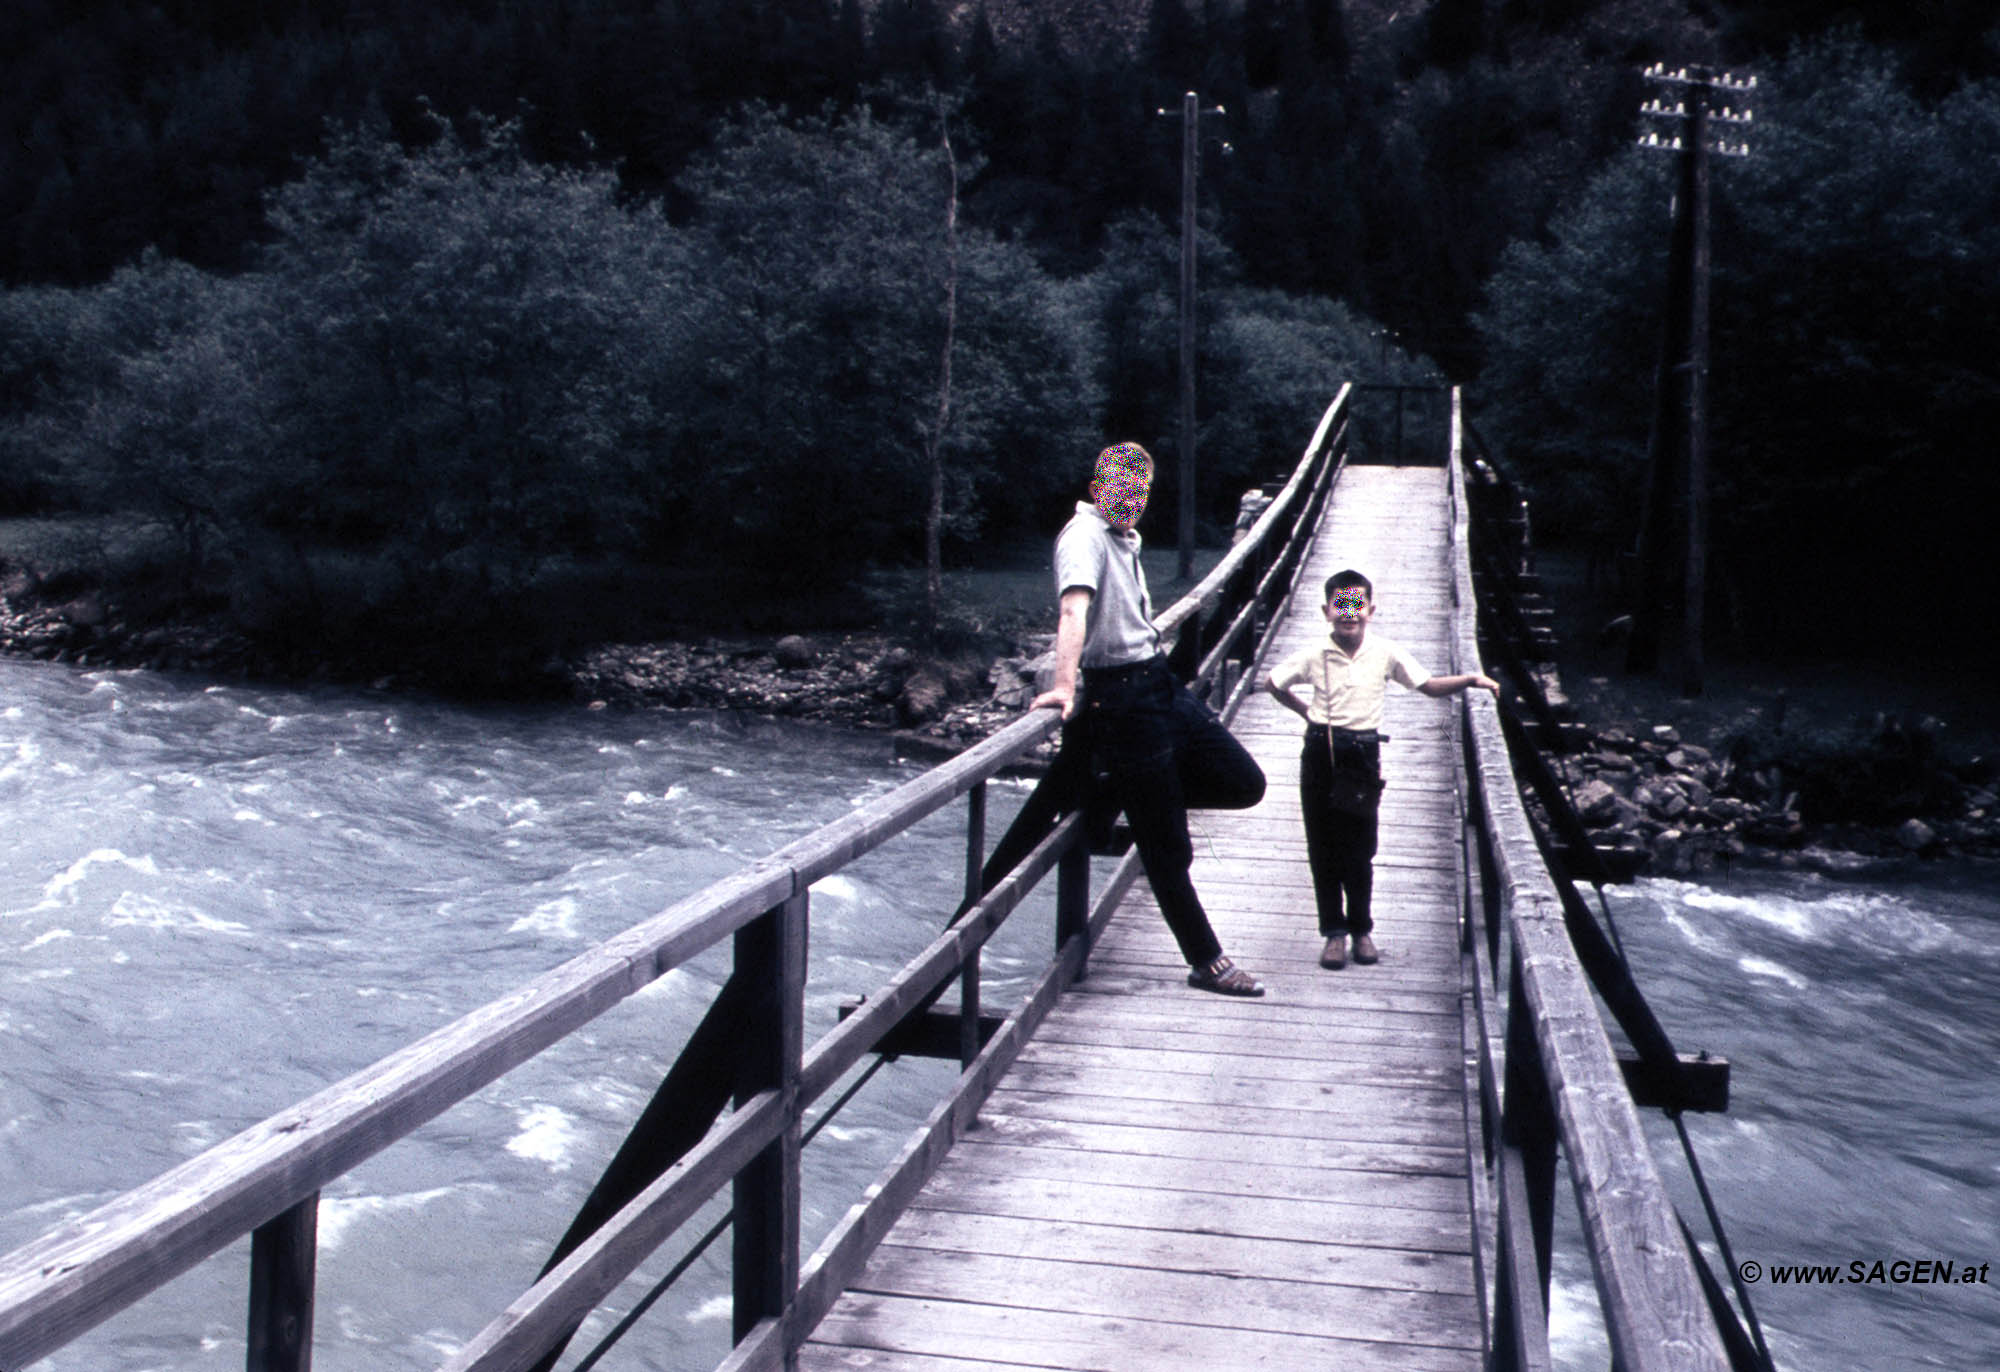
[445, 340]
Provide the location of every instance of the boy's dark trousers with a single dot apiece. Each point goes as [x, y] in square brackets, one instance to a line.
[1340, 847]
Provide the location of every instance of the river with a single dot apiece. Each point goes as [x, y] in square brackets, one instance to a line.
[216, 900]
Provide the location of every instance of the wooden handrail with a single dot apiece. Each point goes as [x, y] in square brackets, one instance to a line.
[57, 1286]
[1654, 1310]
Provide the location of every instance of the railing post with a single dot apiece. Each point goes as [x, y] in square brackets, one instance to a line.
[1527, 1182]
[284, 1253]
[1073, 899]
[771, 958]
[968, 976]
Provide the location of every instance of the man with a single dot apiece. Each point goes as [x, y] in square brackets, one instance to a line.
[1157, 749]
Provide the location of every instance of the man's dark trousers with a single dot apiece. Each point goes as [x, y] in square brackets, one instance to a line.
[1160, 752]
[1340, 847]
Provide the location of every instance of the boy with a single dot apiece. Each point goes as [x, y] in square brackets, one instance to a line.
[1348, 678]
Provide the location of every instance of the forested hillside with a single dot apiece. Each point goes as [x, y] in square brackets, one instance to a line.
[381, 320]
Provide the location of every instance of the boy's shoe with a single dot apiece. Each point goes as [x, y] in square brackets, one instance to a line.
[1333, 957]
[1364, 949]
[1224, 978]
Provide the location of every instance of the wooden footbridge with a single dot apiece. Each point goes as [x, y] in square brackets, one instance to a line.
[1356, 1171]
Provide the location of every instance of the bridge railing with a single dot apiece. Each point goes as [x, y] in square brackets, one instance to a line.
[265, 1181]
[1548, 1075]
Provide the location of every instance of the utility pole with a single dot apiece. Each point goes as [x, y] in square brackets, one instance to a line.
[1190, 113]
[1680, 421]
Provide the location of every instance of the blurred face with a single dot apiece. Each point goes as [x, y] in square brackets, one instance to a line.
[1349, 609]
[1124, 479]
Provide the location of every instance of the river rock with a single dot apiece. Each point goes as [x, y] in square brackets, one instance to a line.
[923, 697]
[793, 652]
[1687, 756]
[1915, 835]
[1671, 854]
[1012, 687]
[1596, 803]
[1776, 829]
[87, 611]
[1662, 798]
[1617, 740]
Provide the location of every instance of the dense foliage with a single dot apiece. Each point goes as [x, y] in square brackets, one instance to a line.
[1856, 278]
[351, 353]
[457, 384]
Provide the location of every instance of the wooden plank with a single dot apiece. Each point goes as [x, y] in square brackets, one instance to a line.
[1375, 1314]
[1121, 981]
[830, 1358]
[1099, 1343]
[1304, 1154]
[1175, 1171]
[1226, 1088]
[1320, 1041]
[1389, 1066]
[1357, 1221]
[1225, 1255]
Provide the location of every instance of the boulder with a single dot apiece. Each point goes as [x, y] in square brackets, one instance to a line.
[923, 697]
[792, 652]
[1011, 686]
[87, 611]
[1915, 835]
[1596, 803]
[1662, 798]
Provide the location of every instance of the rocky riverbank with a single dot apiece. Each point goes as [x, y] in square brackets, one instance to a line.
[934, 703]
[1673, 807]
[1666, 799]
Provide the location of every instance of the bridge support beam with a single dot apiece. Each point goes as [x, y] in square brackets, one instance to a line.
[284, 1254]
[771, 960]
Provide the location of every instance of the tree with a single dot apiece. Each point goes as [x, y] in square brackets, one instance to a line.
[473, 362]
[823, 251]
[1856, 260]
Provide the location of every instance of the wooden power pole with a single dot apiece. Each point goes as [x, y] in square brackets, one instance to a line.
[1678, 447]
[1190, 112]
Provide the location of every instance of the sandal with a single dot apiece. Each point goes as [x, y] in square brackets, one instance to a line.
[1224, 978]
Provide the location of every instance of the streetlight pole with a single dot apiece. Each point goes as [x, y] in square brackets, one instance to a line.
[1190, 113]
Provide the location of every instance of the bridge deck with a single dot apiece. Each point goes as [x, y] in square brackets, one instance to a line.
[1170, 1180]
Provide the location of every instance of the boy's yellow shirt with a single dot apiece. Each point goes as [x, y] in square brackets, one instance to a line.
[1347, 691]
